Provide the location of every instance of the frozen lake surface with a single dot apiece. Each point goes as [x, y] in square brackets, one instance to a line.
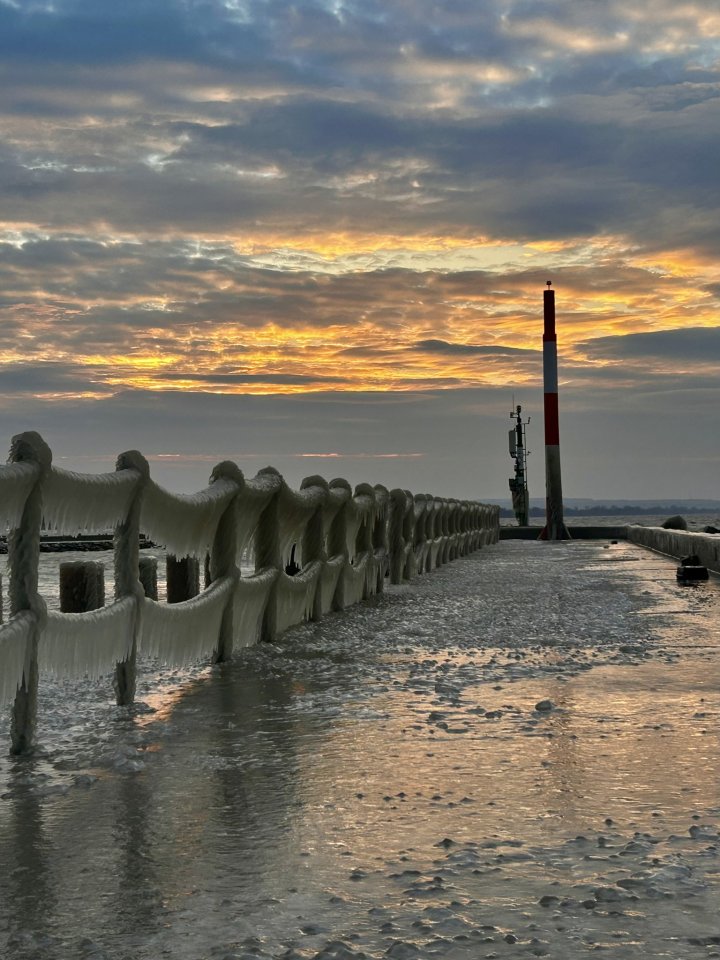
[382, 784]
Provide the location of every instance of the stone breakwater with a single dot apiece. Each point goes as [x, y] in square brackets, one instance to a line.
[679, 543]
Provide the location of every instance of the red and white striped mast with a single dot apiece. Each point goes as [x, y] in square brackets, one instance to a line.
[554, 528]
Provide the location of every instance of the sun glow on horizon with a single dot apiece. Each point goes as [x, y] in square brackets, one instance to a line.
[348, 311]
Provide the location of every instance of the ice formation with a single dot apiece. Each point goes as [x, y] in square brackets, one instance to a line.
[179, 633]
[87, 503]
[87, 644]
[16, 481]
[14, 638]
[186, 524]
[344, 545]
[295, 596]
[329, 578]
[294, 510]
[251, 597]
[356, 581]
[255, 497]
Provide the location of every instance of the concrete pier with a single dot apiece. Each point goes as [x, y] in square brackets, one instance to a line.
[458, 763]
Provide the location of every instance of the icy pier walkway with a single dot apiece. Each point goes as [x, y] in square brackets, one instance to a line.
[514, 757]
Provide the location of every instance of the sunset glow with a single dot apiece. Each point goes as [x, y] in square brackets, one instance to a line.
[346, 203]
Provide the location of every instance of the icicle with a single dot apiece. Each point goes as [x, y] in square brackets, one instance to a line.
[85, 502]
[14, 636]
[87, 644]
[251, 595]
[179, 633]
[295, 596]
[16, 481]
[185, 524]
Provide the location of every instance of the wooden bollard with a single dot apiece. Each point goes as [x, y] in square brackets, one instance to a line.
[148, 576]
[183, 578]
[82, 586]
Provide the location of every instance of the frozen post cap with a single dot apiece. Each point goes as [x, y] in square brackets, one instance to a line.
[315, 481]
[340, 484]
[133, 460]
[30, 447]
[228, 470]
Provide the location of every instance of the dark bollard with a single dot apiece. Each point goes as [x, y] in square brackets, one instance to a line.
[148, 576]
[183, 578]
[82, 586]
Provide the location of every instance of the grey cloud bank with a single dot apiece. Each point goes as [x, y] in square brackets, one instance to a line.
[210, 196]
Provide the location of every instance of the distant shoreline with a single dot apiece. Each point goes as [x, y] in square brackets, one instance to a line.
[626, 510]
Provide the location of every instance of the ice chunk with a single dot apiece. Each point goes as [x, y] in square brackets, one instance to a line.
[87, 644]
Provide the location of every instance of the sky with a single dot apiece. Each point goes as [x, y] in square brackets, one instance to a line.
[315, 235]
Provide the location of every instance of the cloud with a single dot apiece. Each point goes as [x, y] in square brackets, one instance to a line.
[694, 344]
[50, 380]
[203, 198]
[277, 379]
[468, 349]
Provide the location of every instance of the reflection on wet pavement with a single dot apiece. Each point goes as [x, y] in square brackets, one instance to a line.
[517, 755]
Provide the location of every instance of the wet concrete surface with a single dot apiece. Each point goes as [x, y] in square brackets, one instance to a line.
[516, 755]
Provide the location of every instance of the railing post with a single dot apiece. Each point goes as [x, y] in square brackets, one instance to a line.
[126, 550]
[396, 526]
[419, 531]
[313, 542]
[268, 554]
[463, 508]
[436, 529]
[380, 544]
[182, 578]
[23, 557]
[364, 537]
[337, 540]
[445, 526]
[147, 569]
[453, 529]
[410, 568]
[223, 556]
[82, 586]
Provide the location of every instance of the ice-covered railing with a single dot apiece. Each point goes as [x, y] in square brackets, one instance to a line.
[315, 550]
